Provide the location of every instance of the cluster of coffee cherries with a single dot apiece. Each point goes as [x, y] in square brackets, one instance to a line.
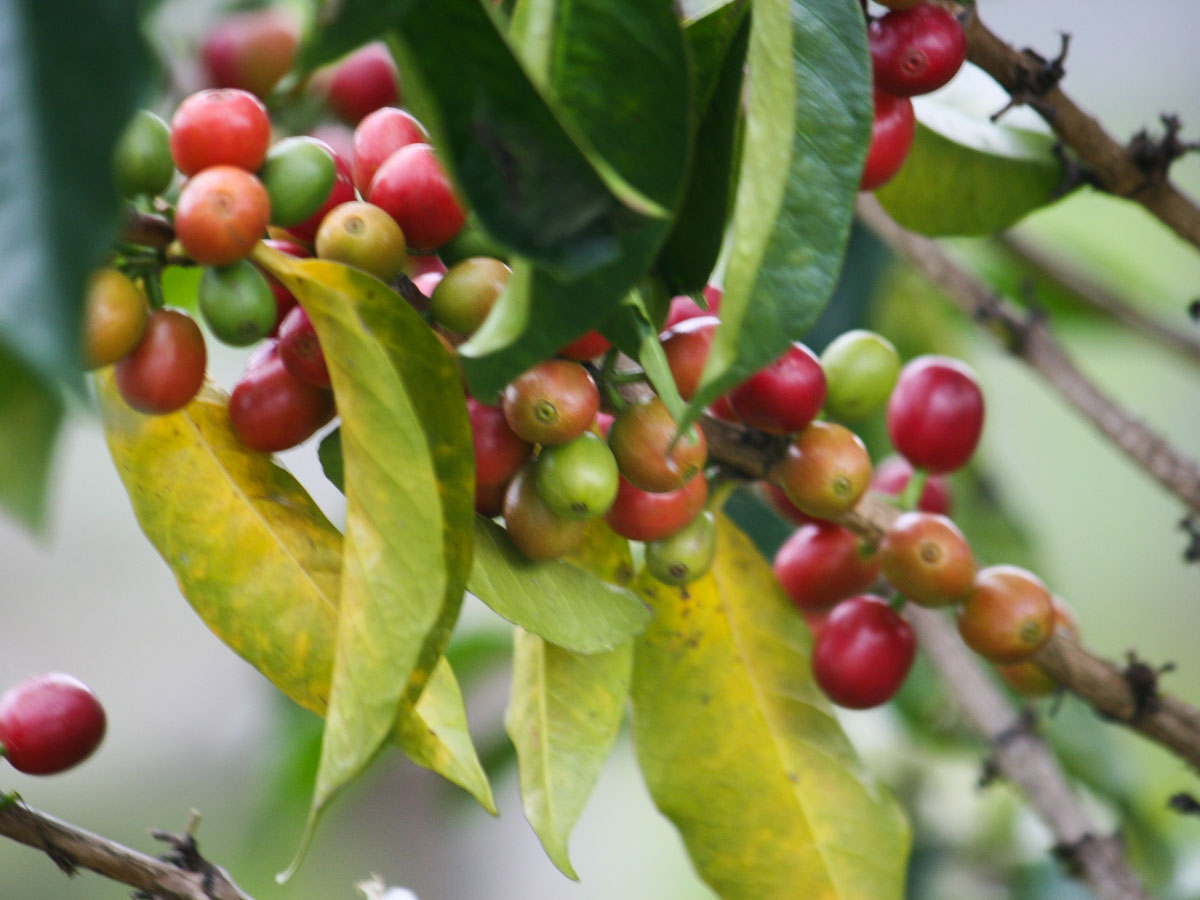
[915, 48]
[49, 723]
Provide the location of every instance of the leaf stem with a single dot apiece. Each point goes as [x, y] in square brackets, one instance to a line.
[911, 495]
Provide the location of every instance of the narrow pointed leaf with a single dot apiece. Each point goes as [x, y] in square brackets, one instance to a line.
[261, 564]
[807, 124]
[556, 600]
[409, 484]
[741, 751]
[31, 412]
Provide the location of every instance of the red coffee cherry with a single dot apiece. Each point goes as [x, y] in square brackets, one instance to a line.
[915, 51]
[49, 724]
[1028, 677]
[363, 82]
[222, 213]
[825, 470]
[532, 527]
[641, 439]
[822, 564]
[380, 135]
[935, 414]
[645, 516]
[686, 345]
[416, 191]
[926, 558]
[272, 411]
[775, 496]
[489, 499]
[684, 307]
[224, 127]
[892, 132]
[250, 50]
[300, 349]
[892, 475]
[166, 368]
[862, 652]
[785, 396]
[498, 450]
[552, 403]
[1008, 615]
[586, 346]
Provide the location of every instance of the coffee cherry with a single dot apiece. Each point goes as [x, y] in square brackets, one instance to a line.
[862, 653]
[687, 554]
[1028, 677]
[785, 396]
[298, 174]
[917, 50]
[142, 161]
[489, 499]
[341, 192]
[114, 318]
[825, 470]
[552, 403]
[778, 500]
[644, 516]
[860, 371]
[50, 723]
[223, 127]
[415, 190]
[935, 414]
[641, 438]
[684, 307]
[363, 82]
[1008, 615]
[686, 345]
[822, 564]
[222, 213]
[578, 479]
[300, 349]
[467, 292]
[237, 303]
[892, 132]
[272, 411]
[499, 452]
[166, 368]
[926, 558]
[535, 530]
[586, 346]
[892, 475]
[250, 50]
[364, 236]
[380, 135]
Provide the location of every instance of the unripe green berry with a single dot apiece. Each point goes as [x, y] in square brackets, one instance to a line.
[578, 480]
[861, 368]
[687, 554]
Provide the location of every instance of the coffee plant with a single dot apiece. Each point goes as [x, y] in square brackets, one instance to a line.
[542, 286]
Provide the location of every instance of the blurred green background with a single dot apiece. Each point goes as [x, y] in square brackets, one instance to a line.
[191, 726]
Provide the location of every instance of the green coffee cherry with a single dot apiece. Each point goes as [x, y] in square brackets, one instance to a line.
[141, 161]
[861, 368]
[298, 174]
[578, 480]
[237, 303]
[687, 554]
[467, 292]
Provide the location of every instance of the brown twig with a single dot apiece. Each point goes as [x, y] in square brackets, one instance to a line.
[1117, 168]
[1028, 336]
[73, 848]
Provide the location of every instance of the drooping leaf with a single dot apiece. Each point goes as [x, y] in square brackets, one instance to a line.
[996, 172]
[807, 124]
[557, 600]
[409, 484]
[58, 208]
[632, 330]
[566, 709]
[741, 751]
[260, 564]
[30, 414]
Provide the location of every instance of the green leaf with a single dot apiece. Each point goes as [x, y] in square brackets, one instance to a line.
[807, 124]
[741, 751]
[995, 172]
[563, 718]
[557, 600]
[409, 480]
[632, 329]
[58, 208]
[260, 564]
[31, 412]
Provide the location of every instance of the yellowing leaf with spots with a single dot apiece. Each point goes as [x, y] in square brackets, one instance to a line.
[742, 753]
[261, 565]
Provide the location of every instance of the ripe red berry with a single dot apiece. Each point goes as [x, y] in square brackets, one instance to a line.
[166, 368]
[862, 653]
[272, 411]
[779, 501]
[250, 50]
[785, 396]
[935, 414]
[222, 213]
[642, 438]
[646, 516]
[552, 403]
[822, 564]
[586, 346]
[50, 723]
[917, 50]
[224, 127]
[498, 450]
[927, 559]
[825, 470]
[415, 190]
[686, 345]
[684, 307]
[892, 132]
[892, 475]
[363, 82]
[1008, 615]
[380, 135]
[300, 349]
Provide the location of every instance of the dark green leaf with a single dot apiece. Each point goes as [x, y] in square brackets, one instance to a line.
[807, 126]
[329, 454]
[30, 414]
